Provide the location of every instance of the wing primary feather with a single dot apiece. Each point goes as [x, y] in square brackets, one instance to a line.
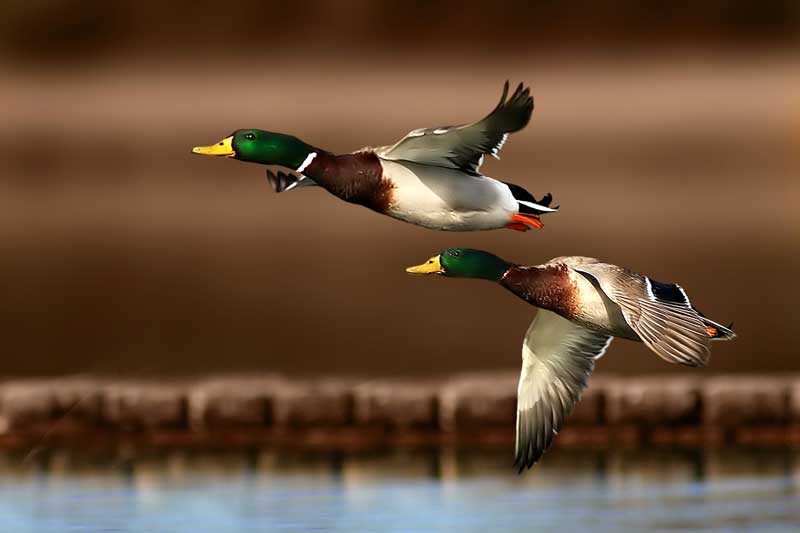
[558, 357]
[672, 329]
[502, 96]
[462, 147]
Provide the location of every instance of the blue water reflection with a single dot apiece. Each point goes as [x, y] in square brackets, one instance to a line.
[442, 490]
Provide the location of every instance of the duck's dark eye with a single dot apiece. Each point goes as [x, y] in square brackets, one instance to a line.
[456, 253]
[250, 137]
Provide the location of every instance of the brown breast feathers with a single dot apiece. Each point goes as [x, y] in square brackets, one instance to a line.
[356, 178]
[547, 287]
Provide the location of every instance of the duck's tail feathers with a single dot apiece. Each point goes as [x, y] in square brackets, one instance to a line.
[528, 204]
[286, 181]
[533, 208]
[717, 331]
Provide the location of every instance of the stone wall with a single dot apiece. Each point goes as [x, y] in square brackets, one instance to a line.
[346, 413]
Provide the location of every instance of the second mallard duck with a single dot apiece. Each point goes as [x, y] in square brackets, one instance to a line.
[430, 178]
[583, 304]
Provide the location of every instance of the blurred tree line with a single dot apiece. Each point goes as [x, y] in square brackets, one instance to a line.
[80, 30]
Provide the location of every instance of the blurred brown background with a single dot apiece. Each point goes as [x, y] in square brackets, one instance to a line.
[669, 134]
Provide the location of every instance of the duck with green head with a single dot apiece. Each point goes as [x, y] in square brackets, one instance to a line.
[583, 304]
[430, 178]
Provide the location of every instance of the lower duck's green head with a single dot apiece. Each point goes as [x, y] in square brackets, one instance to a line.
[259, 146]
[464, 263]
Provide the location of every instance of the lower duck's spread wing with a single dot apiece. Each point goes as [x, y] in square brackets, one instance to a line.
[463, 147]
[557, 359]
[659, 313]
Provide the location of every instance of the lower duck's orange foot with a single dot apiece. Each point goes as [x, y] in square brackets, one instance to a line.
[528, 220]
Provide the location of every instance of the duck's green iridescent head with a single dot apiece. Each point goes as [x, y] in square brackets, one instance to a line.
[259, 146]
[464, 263]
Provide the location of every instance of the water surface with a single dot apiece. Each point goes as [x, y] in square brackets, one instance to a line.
[437, 490]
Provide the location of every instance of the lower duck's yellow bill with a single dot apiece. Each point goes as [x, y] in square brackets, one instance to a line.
[224, 148]
[431, 266]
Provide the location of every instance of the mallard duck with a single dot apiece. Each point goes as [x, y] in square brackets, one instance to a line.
[430, 178]
[583, 304]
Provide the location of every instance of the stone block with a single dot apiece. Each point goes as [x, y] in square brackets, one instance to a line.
[323, 402]
[475, 400]
[731, 401]
[233, 401]
[145, 405]
[394, 403]
[654, 400]
[66, 400]
[794, 399]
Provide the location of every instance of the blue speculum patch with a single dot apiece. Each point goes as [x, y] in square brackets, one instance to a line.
[668, 292]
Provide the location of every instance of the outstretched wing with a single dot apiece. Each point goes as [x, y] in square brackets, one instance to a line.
[557, 359]
[463, 147]
[659, 313]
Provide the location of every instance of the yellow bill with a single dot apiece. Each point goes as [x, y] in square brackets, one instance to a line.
[431, 266]
[224, 148]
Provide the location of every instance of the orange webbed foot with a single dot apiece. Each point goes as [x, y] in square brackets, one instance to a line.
[528, 220]
[517, 226]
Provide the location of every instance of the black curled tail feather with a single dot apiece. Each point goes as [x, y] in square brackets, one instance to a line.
[528, 204]
[718, 332]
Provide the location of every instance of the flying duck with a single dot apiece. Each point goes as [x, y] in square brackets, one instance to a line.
[583, 304]
[431, 177]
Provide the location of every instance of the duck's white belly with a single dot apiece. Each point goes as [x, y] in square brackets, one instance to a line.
[446, 199]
